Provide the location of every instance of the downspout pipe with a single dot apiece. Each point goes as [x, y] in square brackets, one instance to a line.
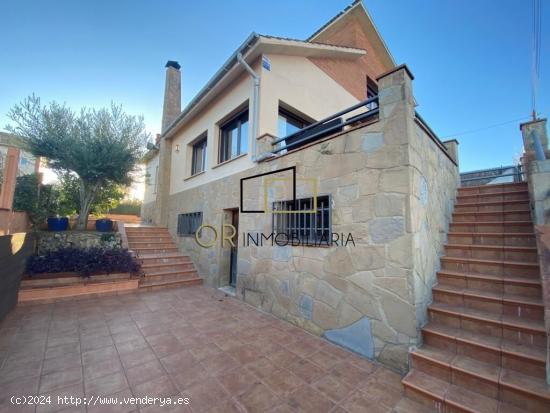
[255, 104]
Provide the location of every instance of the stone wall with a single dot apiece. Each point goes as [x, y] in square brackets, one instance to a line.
[54, 240]
[391, 187]
[14, 251]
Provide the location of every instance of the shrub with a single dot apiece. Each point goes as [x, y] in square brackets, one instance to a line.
[129, 207]
[84, 261]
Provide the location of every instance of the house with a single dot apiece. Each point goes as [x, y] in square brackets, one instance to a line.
[374, 187]
[15, 160]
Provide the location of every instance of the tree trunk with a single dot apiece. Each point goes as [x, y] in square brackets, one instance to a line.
[87, 195]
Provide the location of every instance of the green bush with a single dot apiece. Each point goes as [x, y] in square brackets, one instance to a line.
[37, 200]
[127, 208]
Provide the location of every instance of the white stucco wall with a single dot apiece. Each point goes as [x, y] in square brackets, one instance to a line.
[294, 80]
[150, 179]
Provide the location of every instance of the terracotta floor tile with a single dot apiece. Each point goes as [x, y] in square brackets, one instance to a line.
[259, 399]
[202, 352]
[237, 381]
[135, 358]
[378, 390]
[144, 372]
[99, 355]
[219, 364]
[283, 357]
[245, 353]
[158, 387]
[262, 367]
[358, 402]
[93, 343]
[74, 390]
[120, 408]
[334, 389]
[227, 406]
[283, 382]
[178, 362]
[205, 394]
[349, 374]
[57, 351]
[132, 345]
[189, 376]
[60, 379]
[102, 368]
[61, 363]
[11, 371]
[307, 399]
[323, 359]
[106, 385]
[165, 344]
[306, 370]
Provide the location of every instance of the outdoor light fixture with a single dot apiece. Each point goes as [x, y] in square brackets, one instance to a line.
[177, 147]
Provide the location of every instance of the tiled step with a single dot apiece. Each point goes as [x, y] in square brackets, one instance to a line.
[514, 329]
[449, 398]
[492, 216]
[487, 189]
[170, 276]
[524, 358]
[530, 287]
[491, 301]
[147, 232]
[518, 205]
[490, 267]
[147, 244]
[492, 238]
[153, 250]
[492, 197]
[486, 379]
[139, 238]
[149, 285]
[492, 226]
[170, 263]
[492, 252]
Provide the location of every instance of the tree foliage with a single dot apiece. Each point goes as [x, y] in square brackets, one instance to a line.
[106, 198]
[102, 146]
[37, 200]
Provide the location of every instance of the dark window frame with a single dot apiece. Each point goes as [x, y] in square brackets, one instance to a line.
[189, 223]
[202, 143]
[224, 147]
[312, 229]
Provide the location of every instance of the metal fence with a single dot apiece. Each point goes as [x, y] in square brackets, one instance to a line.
[500, 175]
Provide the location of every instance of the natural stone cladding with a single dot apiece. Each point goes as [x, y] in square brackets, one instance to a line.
[391, 186]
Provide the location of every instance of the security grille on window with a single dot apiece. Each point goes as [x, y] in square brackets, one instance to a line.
[189, 223]
[308, 228]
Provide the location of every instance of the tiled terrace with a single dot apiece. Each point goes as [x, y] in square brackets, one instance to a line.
[221, 353]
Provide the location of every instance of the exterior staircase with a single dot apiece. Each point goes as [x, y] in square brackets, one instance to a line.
[162, 263]
[484, 346]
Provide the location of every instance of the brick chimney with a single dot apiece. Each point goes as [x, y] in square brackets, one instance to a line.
[172, 94]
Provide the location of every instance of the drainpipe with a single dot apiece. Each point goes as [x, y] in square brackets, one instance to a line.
[255, 103]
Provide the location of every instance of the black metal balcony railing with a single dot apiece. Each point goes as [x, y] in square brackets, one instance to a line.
[502, 174]
[328, 126]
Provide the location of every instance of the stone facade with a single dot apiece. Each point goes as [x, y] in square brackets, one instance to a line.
[391, 185]
[147, 212]
[52, 241]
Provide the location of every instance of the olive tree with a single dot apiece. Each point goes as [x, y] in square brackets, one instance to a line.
[101, 146]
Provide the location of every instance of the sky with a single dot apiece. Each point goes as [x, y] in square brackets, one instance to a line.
[471, 59]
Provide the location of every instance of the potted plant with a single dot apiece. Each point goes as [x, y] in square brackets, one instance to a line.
[57, 223]
[104, 225]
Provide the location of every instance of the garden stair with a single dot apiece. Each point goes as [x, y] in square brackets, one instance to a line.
[485, 344]
[161, 262]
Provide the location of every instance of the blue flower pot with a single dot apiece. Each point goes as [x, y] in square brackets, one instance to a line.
[58, 223]
[104, 225]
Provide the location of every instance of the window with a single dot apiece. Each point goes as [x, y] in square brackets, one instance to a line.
[372, 91]
[234, 137]
[309, 228]
[198, 161]
[189, 223]
[289, 123]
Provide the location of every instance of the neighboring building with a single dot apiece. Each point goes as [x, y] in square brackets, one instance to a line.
[15, 160]
[379, 171]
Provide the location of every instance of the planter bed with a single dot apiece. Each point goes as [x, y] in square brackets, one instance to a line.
[53, 286]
